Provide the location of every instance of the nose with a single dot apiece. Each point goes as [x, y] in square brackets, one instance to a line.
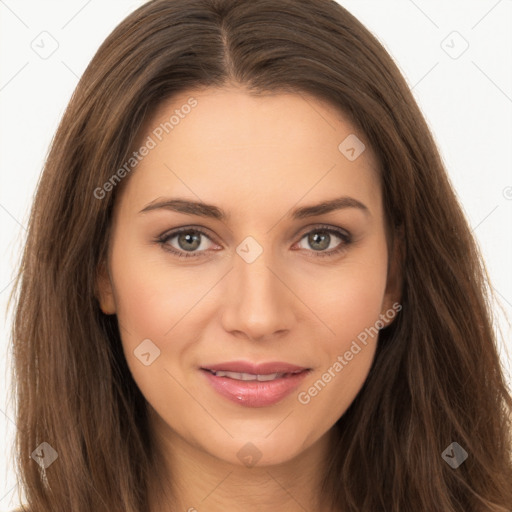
[258, 303]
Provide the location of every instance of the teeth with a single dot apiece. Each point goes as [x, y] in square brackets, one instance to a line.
[272, 376]
[248, 376]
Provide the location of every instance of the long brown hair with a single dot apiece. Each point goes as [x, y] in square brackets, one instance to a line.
[436, 377]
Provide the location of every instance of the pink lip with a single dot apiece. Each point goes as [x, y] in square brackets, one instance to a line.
[255, 393]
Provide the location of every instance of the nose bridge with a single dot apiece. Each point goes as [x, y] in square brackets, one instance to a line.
[257, 301]
[255, 279]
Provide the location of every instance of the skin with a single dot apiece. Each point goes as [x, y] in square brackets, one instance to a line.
[257, 158]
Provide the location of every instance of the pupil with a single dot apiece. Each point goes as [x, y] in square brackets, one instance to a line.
[313, 239]
[188, 238]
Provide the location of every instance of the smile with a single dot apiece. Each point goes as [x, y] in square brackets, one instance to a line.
[251, 376]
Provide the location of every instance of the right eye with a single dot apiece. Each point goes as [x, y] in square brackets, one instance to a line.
[188, 241]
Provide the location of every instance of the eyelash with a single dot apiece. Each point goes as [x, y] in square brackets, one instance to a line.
[343, 235]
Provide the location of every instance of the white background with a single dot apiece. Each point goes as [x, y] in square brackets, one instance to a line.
[467, 102]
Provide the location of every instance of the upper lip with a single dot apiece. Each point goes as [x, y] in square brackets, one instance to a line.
[255, 369]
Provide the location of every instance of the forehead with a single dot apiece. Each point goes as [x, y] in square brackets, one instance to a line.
[233, 147]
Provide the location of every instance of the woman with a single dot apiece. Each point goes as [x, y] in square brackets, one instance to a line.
[324, 342]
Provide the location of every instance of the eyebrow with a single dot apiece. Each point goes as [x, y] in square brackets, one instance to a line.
[209, 210]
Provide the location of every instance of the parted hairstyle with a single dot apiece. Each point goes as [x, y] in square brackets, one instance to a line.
[436, 377]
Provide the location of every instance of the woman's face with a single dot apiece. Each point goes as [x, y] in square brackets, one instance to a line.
[265, 274]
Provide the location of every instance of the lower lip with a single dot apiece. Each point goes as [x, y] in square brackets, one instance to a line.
[254, 393]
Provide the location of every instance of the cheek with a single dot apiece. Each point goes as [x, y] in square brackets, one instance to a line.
[350, 298]
[150, 298]
[149, 302]
[152, 303]
[358, 300]
[350, 304]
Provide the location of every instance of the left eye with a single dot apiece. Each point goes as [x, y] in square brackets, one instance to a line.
[190, 243]
[320, 240]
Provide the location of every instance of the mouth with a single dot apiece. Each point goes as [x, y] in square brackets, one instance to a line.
[249, 377]
[253, 385]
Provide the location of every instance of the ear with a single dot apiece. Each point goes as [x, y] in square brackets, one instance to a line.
[391, 304]
[104, 290]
